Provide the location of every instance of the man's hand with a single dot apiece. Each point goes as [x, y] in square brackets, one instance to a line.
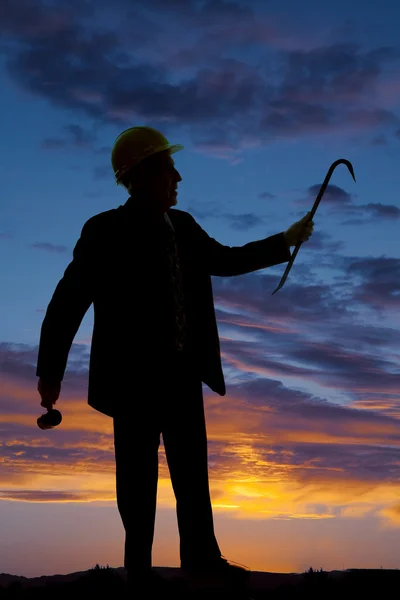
[49, 392]
[301, 231]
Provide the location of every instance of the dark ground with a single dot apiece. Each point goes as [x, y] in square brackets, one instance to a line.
[105, 581]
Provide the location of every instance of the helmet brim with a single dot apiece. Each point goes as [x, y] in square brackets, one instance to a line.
[175, 148]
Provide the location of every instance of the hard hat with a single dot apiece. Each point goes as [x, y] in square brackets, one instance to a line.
[135, 144]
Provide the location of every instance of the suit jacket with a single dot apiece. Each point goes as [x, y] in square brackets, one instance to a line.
[119, 264]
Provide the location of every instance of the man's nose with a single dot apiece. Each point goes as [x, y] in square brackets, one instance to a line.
[178, 176]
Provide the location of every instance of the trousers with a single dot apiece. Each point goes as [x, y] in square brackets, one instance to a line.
[171, 405]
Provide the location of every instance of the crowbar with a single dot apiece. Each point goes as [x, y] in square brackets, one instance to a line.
[341, 161]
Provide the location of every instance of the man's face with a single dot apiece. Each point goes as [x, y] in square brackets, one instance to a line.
[168, 179]
[159, 183]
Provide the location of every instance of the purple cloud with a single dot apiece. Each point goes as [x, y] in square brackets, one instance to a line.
[350, 432]
[382, 211]
[334, 195]
[115, 78]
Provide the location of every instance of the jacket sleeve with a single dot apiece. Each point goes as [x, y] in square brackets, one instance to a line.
[68, 305]
[228, 261]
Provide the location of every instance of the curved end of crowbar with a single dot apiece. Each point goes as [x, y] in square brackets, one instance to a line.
[344, 161]
[340, 161]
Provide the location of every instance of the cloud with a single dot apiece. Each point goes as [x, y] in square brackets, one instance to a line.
[75, 136]
[336, 361]
[379, 140]
[243, 221]
[49, 496]
[334, 195]
[48, 247]
[392, 514]
[336, 200]
[311, 404]
[182, 73]
[30, 20]
[382, 211]
[379, 285]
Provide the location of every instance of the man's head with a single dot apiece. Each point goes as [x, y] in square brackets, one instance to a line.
[155, 181]
[142, 162]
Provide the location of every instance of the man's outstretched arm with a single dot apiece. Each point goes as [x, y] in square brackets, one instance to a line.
[68, 305]
[228, 261]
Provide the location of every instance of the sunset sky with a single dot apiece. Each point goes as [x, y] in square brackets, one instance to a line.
[304, 449]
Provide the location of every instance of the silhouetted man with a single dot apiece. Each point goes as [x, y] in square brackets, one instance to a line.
[147, 267]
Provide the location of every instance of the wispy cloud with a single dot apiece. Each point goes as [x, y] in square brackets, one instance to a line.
[49, 496]
[73, 136]
[48, 247]
[266, 195]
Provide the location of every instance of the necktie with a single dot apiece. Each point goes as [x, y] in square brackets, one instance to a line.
[177, 288]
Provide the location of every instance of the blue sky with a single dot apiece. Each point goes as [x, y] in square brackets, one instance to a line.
[264, 96]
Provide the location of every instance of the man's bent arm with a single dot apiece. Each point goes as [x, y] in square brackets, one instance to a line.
[68, 305]
[228, 261]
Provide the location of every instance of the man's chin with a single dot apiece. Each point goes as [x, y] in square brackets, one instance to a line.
[168, 203]
[173, 201]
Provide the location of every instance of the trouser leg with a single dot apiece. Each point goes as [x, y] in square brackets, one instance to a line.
[136, 442]
[185, 441]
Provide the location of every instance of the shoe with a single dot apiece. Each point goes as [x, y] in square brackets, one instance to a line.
[219, 572]
[145, 581]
